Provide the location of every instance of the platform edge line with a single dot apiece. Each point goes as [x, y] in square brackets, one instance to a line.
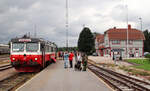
[100, 80]
[28, 81]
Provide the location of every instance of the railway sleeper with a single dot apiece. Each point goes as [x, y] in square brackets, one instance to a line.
[127, 77]
[139, 82]
[133, 83]
[111, 81]
[6, 67]
[107, 81]
[129, 85]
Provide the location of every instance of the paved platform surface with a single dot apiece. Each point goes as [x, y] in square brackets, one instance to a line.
[56, 78]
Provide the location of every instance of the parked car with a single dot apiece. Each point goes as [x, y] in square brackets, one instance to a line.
[95, 54]
[145, 53]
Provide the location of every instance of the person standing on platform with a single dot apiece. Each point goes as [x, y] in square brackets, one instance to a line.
[71, 55]
[66, 55]
[79, 58]
[63, 53]
[84, 61]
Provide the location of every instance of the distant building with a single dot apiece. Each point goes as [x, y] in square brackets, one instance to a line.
[99, 42]
[115, 40]
[4, 49]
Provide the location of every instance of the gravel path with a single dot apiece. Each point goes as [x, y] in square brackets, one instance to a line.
[107, 60]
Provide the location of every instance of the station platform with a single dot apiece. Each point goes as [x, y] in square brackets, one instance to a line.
[56, 78]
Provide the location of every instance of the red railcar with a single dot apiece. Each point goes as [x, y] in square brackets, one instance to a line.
[31, 54]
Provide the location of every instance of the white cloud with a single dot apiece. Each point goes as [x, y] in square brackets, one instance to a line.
[18, 17]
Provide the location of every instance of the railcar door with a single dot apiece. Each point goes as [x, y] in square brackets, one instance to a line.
[43, 54]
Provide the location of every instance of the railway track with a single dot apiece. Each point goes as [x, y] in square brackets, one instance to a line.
[5, 67]
[119, 81]
[14, 81]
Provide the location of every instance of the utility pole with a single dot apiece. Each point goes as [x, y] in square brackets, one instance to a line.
[34, 31]
[126, 7]
[141, 22]
[127, 31]
[141, 28]
[67, 24]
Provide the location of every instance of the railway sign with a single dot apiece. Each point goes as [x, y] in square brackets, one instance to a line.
[24, 40]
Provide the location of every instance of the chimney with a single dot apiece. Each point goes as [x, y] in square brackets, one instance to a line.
[129, 27]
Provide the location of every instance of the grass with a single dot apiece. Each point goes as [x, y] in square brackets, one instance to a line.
[143, 63]
[134, 71]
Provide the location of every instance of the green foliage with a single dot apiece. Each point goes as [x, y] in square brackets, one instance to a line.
[147, 41]
[86, 41]
[69, 49]
[138, 61]
[143, 63]
[147, 55]
[95, 34]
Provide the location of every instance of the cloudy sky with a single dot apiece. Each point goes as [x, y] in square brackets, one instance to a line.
[18, 17]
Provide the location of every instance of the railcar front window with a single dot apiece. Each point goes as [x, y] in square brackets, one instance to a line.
[18, 47]
[32, 47]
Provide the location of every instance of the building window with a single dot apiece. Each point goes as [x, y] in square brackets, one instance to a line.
[106, 42]
[116, 42]
[107, 51]
[130, 42]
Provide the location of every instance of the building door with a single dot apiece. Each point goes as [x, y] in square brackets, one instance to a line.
[137, 54]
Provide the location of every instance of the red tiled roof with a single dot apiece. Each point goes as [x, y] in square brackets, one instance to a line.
[121, 34]
[100, 38]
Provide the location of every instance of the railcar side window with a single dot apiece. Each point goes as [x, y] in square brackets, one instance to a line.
[18, 47]
[50, 49]
[32, 47]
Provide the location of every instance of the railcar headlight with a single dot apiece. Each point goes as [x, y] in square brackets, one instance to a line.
[13, 58]
[35, 58]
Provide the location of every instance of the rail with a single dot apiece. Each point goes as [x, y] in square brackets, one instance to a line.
[119, 81]
[5, 67]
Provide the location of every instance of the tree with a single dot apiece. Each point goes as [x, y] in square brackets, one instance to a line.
[67, 49]
[95, 34]
[86, 41]
[147, 41]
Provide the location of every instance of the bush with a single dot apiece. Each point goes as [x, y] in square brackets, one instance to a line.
[147, 56]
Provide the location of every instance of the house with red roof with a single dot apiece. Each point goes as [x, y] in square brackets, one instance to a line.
[114, 41]
[99, 42]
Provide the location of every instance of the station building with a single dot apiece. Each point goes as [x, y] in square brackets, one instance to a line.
[114, 41]
[4, 48]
